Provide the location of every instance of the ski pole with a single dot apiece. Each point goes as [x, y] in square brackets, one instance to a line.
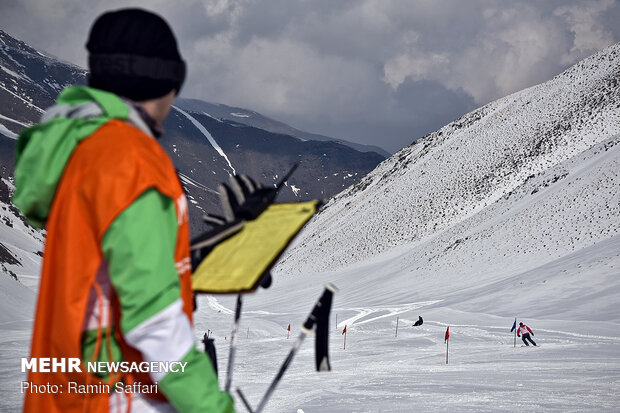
[306, 328]
[233, 344]
[281, 372]
[286, 177]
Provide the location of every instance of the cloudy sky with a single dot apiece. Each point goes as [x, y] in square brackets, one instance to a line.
[382, 72]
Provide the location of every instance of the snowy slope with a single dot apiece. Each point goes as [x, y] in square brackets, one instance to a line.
[21, 248]
[20, 260]
[469, 172]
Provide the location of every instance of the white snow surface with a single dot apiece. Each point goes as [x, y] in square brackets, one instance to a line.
[25, 125]
[6, 132]
[295, 189]
[186, 180]
[15, 74]
[511, 211]
[209, 137]
[26, 102]
[241, 115]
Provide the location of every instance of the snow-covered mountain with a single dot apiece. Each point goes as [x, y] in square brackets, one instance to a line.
[206, 147]
[29, 82]
[534, 174]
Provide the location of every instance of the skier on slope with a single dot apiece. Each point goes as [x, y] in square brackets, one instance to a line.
[115, 282]
[419, 322]
[524, 332]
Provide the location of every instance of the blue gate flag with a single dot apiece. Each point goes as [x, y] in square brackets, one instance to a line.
[514, 326]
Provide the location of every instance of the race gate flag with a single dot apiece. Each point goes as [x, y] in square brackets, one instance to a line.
[514, 326]
[447, 339]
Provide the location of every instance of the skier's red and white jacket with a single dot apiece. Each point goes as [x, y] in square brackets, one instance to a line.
[524, 330]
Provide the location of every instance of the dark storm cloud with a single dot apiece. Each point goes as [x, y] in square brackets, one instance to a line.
[417, 105]
[382, 72]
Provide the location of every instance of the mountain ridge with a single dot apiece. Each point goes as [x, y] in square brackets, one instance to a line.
[253, 118]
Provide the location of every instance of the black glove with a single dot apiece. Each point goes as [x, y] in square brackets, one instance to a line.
[244, 199]
[241, 200]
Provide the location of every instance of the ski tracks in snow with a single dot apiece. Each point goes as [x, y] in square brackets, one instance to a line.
[216, 306]
[371, 314]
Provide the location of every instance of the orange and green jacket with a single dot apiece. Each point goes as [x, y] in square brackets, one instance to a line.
[115, 281]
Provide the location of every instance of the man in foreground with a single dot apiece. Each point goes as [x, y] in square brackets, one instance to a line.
[115, 283]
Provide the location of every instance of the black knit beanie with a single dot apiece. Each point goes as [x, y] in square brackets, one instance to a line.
[133, 53]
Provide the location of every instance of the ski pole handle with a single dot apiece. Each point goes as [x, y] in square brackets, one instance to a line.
[329, 291]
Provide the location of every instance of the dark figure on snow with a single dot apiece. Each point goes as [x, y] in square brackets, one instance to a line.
[419, 322]
[524, 332]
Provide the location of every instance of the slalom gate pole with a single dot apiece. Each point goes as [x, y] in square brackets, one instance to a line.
[515, 346]
[306, 328]
[233, 345]
[396, 327]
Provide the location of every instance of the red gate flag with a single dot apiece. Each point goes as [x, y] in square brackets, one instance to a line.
[345, 330]
[447, 339]
[289, 327]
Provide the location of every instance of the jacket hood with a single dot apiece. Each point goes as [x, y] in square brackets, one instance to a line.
[43, 150]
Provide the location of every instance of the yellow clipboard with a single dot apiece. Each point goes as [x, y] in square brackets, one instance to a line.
[238, 264]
